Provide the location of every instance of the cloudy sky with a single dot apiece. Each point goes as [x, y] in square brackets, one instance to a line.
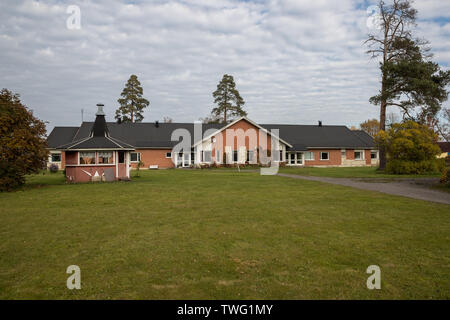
[294, 61]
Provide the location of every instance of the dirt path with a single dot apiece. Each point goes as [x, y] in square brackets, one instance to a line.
[411, 188]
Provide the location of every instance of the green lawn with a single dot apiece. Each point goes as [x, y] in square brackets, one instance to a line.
[219, 234]
[349, 172]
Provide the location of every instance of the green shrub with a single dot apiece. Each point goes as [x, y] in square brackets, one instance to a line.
[396, 166]
[445, 177]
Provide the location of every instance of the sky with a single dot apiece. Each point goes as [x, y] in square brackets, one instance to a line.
[293, 61]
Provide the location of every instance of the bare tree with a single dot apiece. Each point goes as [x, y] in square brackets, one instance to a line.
[442, 125]
[167, 120]
[395, 22]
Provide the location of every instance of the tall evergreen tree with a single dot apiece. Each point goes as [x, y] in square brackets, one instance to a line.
[132, 103]
[229, 101]
[408, 80]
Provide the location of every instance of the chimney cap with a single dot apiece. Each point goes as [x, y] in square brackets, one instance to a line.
[100, 111]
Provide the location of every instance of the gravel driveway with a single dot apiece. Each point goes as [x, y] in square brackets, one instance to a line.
[418, 188]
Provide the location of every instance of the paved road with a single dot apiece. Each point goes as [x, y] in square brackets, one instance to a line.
[411, 188]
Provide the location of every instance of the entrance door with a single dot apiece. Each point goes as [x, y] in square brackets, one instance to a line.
[299, 158]
[291, 158]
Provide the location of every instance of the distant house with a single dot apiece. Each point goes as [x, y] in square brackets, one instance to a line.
[98, 146]
[445, 148]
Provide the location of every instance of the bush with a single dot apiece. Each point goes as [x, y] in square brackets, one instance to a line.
[396, 166]
[10, 178]
[53, 168]
[411, 149]
[445, 177]
[23, 147]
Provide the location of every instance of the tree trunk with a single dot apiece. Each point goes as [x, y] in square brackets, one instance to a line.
[225, 116]
[383, 105]
[382, 127]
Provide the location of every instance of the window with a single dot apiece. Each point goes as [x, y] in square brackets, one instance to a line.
[373, 154]
[309, 155]
[168, 154]
[235, 156]
[324, 156]
[105, 157]
[56, 157]
[299, 158]
[208, 156]
[218, 156]
[249, 156]
[135, 156]
[87, 157]
[291, 158]
[359, 155]
[343, 153]
[281, 155]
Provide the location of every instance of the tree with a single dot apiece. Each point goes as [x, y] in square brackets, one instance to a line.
[228, 99]
[408, 81]
[371, 127]
[411, 148]
[22, 141]
[211, 119]
[132, 103]
[441, 125]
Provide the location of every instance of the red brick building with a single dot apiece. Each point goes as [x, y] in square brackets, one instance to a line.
[100, 146]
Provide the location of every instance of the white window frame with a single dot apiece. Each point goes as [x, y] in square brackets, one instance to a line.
[97, 158]
[87, 164]
[309, 152]
[376, 154]
[204, 156]
[138, 157]
[328, 156]
[217, 156]
[169, 157]
[362, 154]
[55, 154]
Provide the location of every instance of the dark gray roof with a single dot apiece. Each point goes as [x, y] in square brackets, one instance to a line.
[365, 137]
[144, 134]
[149, 135]
[97, 143]
[445, 146]
[313, 136]
[61, 135]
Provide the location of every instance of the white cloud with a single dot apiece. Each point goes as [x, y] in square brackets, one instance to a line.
[294, 61]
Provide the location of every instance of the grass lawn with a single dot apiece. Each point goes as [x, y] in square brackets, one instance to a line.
[349, 172]
[219, 234]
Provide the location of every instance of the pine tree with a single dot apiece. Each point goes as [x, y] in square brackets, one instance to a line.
[408, 79]
[228, 99]
[132, 103]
